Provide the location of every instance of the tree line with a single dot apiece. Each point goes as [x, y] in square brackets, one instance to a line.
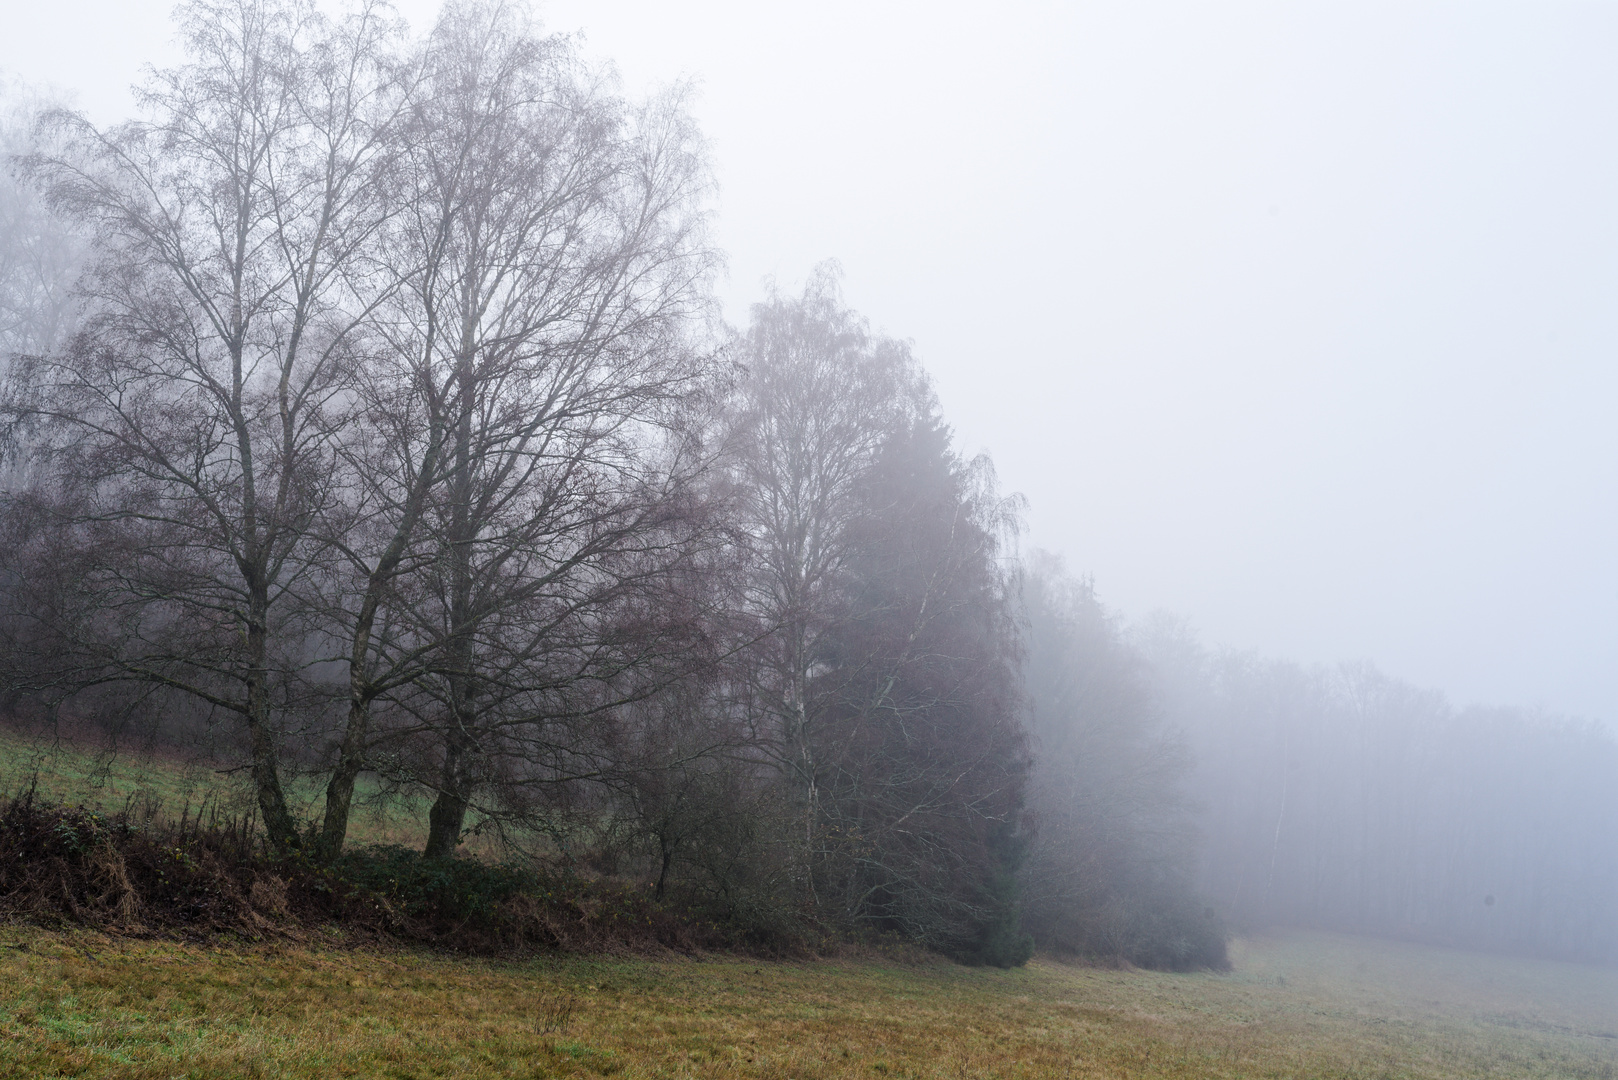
[393, 435]
[1342, 798]
[368, 419]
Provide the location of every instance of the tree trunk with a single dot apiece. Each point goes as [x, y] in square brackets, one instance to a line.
[448, 815]
[340, 788]
[278, 824]
[447, 818]
[361, 690]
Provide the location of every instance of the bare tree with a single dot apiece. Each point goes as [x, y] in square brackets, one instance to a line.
[820, 397]
[186, 438]
[527, 427]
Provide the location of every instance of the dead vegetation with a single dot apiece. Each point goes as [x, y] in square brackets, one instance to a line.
[134, 874]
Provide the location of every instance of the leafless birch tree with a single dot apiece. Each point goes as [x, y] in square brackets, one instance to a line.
[188, 434]
[538, 354]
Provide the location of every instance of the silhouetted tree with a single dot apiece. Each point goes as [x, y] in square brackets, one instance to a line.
[884, 677]
[522, 450]
[922, 750]
[183, 444]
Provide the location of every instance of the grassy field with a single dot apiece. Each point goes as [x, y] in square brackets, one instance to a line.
[1297, 1005]
[75, 774]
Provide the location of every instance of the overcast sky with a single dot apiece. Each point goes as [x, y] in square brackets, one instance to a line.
[1299, 320]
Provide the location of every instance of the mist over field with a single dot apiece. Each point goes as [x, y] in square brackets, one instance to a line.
[1288, 318]
[1094, 481]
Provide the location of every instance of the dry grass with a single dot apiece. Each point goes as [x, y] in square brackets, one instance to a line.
[1298, 1005]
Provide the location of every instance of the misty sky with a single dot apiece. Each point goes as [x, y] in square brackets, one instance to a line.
[1298, 320]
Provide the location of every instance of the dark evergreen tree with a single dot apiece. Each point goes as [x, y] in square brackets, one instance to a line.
[924, 755]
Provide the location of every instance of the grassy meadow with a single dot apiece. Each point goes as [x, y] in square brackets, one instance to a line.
[1296, 1005]
[168, 785]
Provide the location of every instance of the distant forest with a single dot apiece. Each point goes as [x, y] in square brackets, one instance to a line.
[367, 416]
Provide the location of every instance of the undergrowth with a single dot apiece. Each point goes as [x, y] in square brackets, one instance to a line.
[133, 873]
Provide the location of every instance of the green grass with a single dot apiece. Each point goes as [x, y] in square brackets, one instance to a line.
[77, 774]
[1297, 1005]
[72, 773]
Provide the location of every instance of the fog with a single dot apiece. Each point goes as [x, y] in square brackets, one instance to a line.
[1293, 319]
[1289, 596]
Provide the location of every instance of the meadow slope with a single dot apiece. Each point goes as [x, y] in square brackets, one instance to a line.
[168, 784]
[1296, 1005]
